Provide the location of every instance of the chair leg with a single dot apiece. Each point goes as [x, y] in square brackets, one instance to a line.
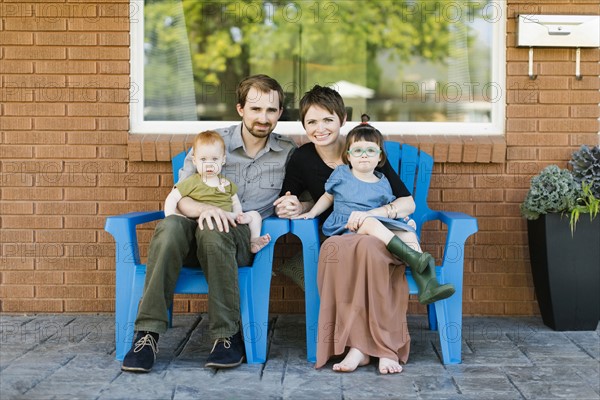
[449, 320]
[308, 233]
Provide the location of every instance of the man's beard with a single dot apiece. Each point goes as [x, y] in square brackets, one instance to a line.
[259, 134]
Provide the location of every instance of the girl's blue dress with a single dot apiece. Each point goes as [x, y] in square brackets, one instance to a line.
[352, 194]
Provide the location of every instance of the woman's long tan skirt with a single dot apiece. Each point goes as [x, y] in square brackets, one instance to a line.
[364, 299]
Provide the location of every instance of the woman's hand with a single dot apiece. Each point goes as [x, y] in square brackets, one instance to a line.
[356, 219]
[288, 206]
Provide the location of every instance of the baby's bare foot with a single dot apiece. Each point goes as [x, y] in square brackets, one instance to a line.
[258, 243]
[387, 366]
[354, 359]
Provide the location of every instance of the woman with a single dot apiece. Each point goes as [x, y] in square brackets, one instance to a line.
[363, 302]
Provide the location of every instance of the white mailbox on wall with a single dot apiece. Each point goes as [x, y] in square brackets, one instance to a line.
[558, 31]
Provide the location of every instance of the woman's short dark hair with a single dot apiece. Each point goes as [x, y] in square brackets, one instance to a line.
[364, 132]
[324, 97]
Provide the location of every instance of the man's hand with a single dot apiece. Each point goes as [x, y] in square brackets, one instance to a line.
[288, 206]
[215, 216]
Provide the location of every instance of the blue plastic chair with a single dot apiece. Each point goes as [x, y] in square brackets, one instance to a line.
[415, 171]
[254, 281]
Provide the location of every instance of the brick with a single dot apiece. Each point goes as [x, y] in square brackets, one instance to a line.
[113, 124]
[145, 194]
[16, 291]
[128, 179]
[84, 222]
[16, 38]
[68, 94]
[483, 308]
[65, 152]
[14, 151]
[554, 154]
[16, 123]
[32, 277]
[584, 111]
[536, 139]
[99, 109]
[54, 10]
[114, 39]
[35, 53]
[33, 222]
[537, 111]
[31, 194]
[62, 124]
[89, 278]
[97, 194]
[98, 53]
[35, 137]
[13, 67]
[492, 293]
[106, 292]
[113, 82]
[66, 263]
[65, 292]
[34, 109]
[117, 137]
[65, 236]
[84, 305]
[113, 152]
[521, 308]
[65, 67]
[65, 39]
[8, 262]
[114, 95]
[70, 208]
[15, 208]
[113, 67]
[32, 305]
[130, 206]
[35, 24]
[15, 235]
[568, 125]
[99, 25]
[568, 68]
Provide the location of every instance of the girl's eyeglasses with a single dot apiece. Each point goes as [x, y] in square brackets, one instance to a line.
[369, 151]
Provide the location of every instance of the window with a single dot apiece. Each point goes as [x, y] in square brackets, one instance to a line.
[415, 66]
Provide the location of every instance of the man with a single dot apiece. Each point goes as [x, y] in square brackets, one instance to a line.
[255, 162]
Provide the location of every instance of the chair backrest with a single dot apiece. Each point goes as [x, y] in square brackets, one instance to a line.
[177, 164]
[415, 168]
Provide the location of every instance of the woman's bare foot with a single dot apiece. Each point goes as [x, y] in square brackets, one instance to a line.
[387, 366]
[354, 359]
[258, 243]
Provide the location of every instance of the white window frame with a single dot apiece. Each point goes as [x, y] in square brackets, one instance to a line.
[495, 127]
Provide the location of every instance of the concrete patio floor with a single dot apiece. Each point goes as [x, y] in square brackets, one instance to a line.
[72, 357]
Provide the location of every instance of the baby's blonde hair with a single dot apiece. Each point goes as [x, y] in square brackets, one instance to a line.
[208, 137]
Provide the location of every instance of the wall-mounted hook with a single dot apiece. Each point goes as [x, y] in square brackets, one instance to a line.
[531, 75]
[578, 64]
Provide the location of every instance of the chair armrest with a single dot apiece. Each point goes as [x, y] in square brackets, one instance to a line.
[122, 228]
[460, 227]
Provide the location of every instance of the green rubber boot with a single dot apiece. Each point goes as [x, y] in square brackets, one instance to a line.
[429, 288]
[417, 261]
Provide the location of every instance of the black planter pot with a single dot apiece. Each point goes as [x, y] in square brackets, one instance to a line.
[566, 271]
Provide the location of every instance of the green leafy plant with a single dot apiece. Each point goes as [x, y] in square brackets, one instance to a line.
[554, 190]
[575, 192]
[585, 164]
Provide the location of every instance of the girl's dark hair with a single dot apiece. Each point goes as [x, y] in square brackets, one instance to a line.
[364, 132]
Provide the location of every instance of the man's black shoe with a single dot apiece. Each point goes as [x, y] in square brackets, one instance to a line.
[142, 354]
[227, 352]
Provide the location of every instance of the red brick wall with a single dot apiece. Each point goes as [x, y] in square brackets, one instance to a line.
[67, 160]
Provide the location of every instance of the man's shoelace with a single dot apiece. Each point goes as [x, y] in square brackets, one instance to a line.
[147, 340]
[226, 343]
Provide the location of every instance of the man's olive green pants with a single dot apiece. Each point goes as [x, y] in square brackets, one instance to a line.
[178, 241]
